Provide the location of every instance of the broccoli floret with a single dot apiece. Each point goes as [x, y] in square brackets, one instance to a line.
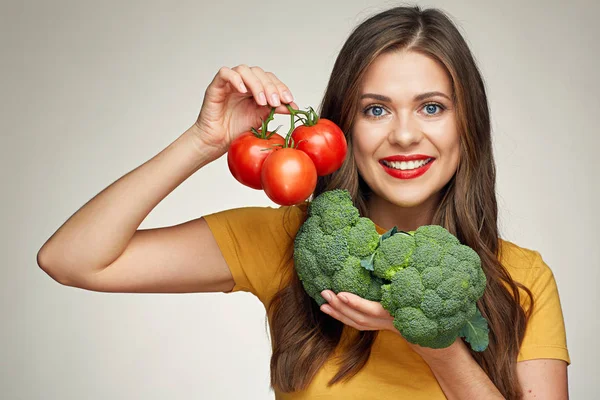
[374, 292]
[363, 238]
[434, 284]
[351, 278]
[330, 245]
[393, 255]
[335, 209]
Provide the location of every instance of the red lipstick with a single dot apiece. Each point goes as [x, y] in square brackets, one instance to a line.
[408, 174]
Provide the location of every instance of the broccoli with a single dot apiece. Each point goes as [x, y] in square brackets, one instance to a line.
[330, 245]
[432, 285]
[426, 279]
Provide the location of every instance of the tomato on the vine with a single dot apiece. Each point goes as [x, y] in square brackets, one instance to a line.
[324, 143]
[288, 176]
[246, 156]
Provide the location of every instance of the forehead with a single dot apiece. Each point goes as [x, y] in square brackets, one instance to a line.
[405, 72]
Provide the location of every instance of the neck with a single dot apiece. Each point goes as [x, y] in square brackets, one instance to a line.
[387, 215]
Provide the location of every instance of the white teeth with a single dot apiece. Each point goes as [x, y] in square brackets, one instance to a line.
[406, 165]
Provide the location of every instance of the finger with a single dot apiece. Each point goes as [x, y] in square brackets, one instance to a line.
[356, 316]
[329, 310]
[253, 83]
[372, 308]
[270, 89]
[223, 82]
[227, 75]
[284, 92]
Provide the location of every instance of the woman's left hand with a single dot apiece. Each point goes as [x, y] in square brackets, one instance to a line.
[366, 315]
[359, 313]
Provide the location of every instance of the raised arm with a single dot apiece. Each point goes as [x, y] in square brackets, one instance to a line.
[100, 246]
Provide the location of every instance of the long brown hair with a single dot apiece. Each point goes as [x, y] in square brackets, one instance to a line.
[303, 337]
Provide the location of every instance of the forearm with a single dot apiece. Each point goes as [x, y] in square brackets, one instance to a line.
[99, 232]
[458, 374]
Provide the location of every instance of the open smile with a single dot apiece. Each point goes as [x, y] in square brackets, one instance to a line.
[407, 169]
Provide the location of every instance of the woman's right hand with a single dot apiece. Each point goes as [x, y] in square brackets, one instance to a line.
[235, 101]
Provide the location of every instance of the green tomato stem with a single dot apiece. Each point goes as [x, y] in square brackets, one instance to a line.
[264, 126]
[310, 118]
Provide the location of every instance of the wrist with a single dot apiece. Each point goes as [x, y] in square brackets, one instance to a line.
[441, 356]
[205, 152]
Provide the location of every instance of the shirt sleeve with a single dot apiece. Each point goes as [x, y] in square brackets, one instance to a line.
[545, 335]
[257, 244]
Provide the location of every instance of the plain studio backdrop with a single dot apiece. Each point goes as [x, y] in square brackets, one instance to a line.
[91, 90]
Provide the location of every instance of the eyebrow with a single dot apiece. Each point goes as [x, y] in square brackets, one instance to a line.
[419, 97]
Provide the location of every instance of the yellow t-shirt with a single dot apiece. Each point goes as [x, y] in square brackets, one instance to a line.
[256, 242]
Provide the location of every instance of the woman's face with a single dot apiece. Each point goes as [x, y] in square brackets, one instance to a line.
[406, 111]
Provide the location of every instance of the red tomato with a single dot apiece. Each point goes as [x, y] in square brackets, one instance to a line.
[288, 176]
[324, 143]
[246, 156]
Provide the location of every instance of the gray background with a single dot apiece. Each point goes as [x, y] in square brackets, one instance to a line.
[91, 90]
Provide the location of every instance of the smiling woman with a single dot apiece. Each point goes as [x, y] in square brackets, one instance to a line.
[405, 88]
[411, 102]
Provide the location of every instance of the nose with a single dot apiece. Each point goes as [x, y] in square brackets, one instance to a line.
[405, 132]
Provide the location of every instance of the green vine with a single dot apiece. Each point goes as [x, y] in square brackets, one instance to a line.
[308, 118]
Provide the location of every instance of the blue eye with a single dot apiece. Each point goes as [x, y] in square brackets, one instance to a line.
[377, 111]
[430, 109]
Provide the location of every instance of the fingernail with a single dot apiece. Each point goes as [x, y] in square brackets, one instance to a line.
[275, 99]
[287, 96]
[344, 298]
[262, 100]
[326, 295]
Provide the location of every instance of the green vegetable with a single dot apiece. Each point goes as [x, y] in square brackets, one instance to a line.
[434, 284]
[330, 245]
[427, 280]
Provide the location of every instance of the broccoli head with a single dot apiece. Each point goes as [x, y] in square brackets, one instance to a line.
[330, 245]
[432, 285]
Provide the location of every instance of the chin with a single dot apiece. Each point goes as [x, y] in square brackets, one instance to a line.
[407, 201]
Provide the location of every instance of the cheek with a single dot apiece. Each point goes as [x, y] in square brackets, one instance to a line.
[364, 142]
[450, 148]
[447, 141]
[358, 154]
[454, 148]
[359, 147]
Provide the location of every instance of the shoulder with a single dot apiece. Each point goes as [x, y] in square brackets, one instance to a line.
[288, 218]
[524, 265]
[515, 257]
[545, 335]
[292, 217]
[249, 230]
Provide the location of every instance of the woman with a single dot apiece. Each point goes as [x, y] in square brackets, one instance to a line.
[404, 83]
